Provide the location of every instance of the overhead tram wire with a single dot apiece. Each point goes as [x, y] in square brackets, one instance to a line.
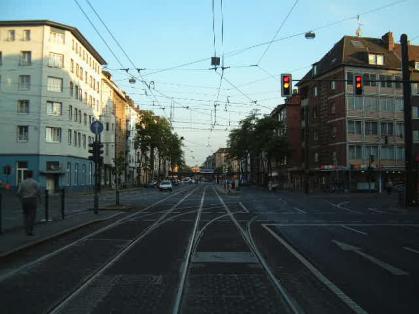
[100, 35]
[242, 50]
[277, 32]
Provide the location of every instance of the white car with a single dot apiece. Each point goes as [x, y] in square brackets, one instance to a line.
[165, 185]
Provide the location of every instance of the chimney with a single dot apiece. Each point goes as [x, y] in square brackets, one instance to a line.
[388, 40]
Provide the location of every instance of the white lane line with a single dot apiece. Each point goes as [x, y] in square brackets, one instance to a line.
[354, 230]
[390, 268]
[341, 206]
[339, 223]
[300, 210]
[411, 250]
[339, 293]
[244, 207]
[375, 210]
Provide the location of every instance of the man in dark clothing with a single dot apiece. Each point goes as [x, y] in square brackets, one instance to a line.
[29, 192]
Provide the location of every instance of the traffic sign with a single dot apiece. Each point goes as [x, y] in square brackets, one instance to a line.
[96, 127]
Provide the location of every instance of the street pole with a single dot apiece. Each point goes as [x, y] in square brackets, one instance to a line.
[96, 196]
[307, 156]
[410, 197]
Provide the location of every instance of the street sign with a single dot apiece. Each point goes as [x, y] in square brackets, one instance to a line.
[96, 127]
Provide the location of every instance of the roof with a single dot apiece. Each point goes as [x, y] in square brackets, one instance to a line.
[72, 29]
[353, 51]
[222, 151]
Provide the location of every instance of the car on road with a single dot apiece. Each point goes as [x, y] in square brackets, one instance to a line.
[165, 185]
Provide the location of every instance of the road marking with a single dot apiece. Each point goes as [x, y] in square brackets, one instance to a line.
[341, 206]
[244, 207]
[339, 223]
[354, 230]
[390, 268]
[411, 250]
[300, 210]
[376, 210]
[339, 293]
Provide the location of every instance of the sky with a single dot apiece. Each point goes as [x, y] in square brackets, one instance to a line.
[204, 104]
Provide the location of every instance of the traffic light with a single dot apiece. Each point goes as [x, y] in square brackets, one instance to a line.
[96, 151]
[286, 85]
[359, 85]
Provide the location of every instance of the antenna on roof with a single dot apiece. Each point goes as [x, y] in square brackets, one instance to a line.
[358, 32]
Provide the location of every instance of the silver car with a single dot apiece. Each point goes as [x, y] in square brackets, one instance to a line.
[165, 185]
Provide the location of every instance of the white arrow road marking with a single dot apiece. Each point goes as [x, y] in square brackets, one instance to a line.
[384, 265]
[411, 250]
[354, 230]
[376, 210]
[300, 210]
[244, 207]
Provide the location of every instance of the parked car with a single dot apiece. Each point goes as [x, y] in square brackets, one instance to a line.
[152, 184]
[165, 185]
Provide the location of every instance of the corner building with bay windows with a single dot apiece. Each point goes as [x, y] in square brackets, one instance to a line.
[50, 80]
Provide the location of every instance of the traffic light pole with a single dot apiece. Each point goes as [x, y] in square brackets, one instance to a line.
[410, 190]
[96, 196]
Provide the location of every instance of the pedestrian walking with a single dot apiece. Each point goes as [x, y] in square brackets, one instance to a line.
[29, 192]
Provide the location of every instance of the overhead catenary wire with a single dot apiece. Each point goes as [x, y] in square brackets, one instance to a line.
[277, 32]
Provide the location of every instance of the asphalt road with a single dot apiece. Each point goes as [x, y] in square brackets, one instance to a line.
[198, 250]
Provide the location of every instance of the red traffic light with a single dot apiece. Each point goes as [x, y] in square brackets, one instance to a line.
[286, 86]
[358, 85]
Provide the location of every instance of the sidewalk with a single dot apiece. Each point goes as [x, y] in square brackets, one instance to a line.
[220, 189]
[16, 240]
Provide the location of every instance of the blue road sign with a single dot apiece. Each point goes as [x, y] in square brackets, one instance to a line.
[96, 127]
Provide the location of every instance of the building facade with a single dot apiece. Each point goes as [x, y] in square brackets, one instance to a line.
[354, 142]
[50, 92]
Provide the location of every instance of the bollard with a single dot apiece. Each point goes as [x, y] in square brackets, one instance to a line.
[46, 206]
[1, 213]
[62, 203]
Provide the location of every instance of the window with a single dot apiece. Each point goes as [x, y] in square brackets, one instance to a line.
[11, 35]
[25, 58]
[373, 79]
[370, 151]
[354, 103]
[56, 60]
[69, 173]
[334, 131]
[57, 37]
[55, 84]
[26, 35]
[415, 112]
[53, 135]
[23, 106]
[416, 65]
[316, 157]
[400, 129]
[83, 181]
[382, 80]
[366, 79]
[84, 140]
[85, 77]
[389, 104]
[79, 116]
[81, 73]
[72, 66]
[71, 89]
[79, 138]
[21, 168]
[315, 70]
[371, 128]
[22, 133]
[107, 126]
[354, 127]
[389, 81]
[333, 85]
[355, 152]
[107, 149]
[398, 82]
[375, 59]
[315, 92]
[54, 108]
[76, 91]
[69, 134]
[400, 153]
[85, 119]
[332, 108]
[399, 104]
[387, 128]
[387, 153]
[24, 82]
[77, 70]
[349, 78]
[415, 136]
[371, 103]
[76, 113]
[75, 138]
[76, 174]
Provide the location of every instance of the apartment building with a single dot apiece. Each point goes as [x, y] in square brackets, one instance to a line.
[354, 142]
[50, 93]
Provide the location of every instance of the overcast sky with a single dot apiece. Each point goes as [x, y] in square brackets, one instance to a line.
[160, 34]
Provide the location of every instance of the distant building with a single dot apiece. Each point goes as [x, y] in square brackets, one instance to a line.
[50, 92]
[355, 142]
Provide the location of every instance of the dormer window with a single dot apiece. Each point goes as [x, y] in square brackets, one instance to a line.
[375, 59]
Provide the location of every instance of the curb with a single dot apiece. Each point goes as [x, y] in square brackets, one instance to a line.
[53, 236]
